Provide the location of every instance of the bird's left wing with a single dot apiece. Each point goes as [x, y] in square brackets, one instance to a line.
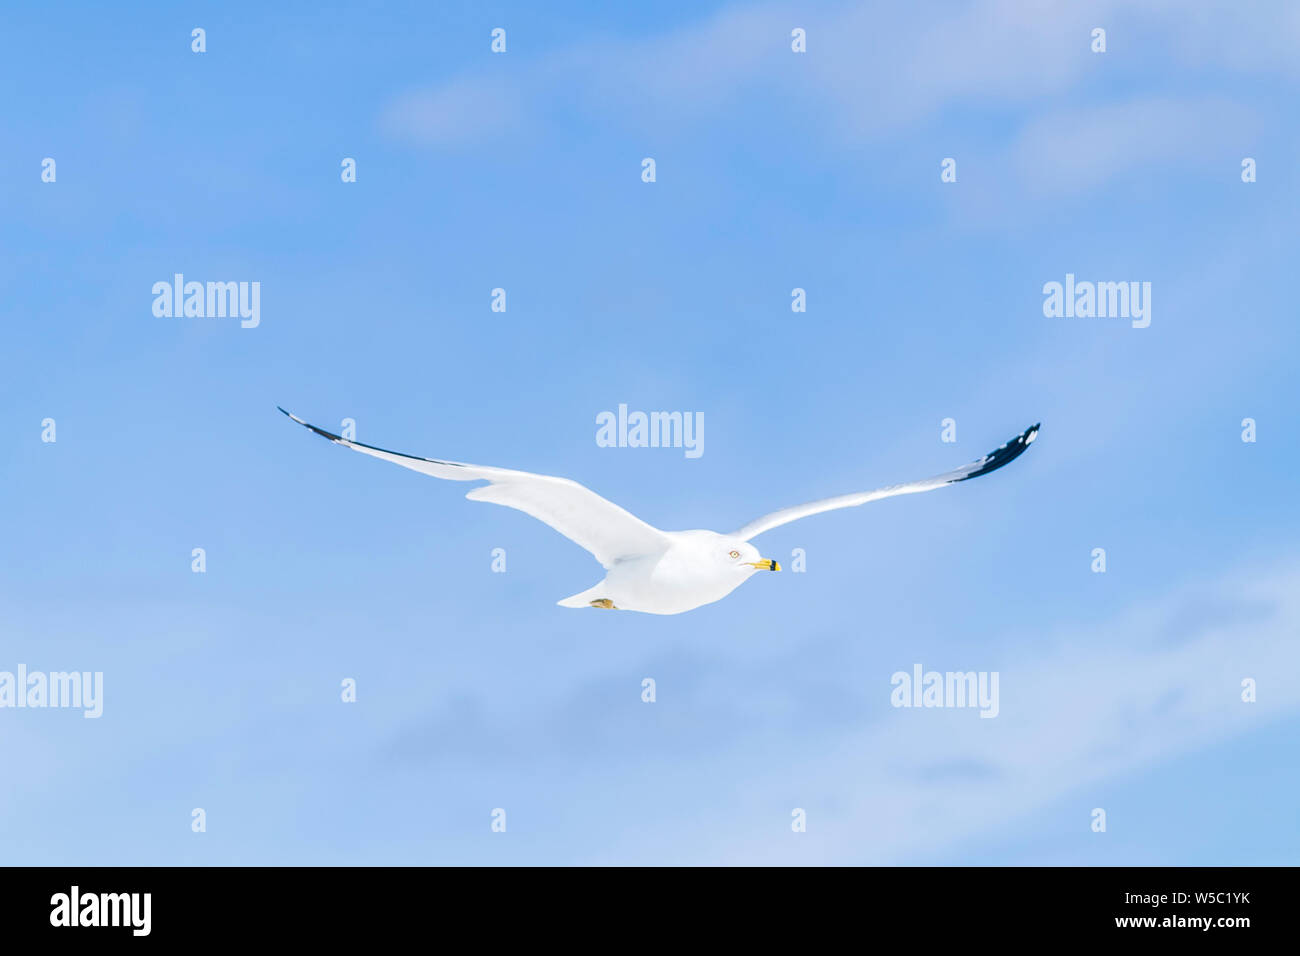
[584, 517]
[991, 462]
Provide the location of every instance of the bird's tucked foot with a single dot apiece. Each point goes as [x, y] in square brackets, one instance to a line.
[605, 603]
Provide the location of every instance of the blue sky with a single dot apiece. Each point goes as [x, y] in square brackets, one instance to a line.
[775, 170]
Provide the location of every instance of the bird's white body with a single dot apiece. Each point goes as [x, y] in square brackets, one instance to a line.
[696, 569]
[648, 570]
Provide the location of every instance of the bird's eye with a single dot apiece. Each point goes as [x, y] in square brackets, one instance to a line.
[735, 554]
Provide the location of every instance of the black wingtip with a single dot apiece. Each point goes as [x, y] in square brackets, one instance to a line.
[319, 431]
[1005, 454]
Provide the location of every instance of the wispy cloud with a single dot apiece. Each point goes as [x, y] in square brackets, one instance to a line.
[458, 113]
[1078, 707]
[874, 69]
[1081, 707]
[1074, 150]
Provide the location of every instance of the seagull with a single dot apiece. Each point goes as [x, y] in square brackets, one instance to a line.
[648, 570]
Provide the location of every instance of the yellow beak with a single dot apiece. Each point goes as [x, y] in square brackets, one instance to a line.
[766, 564]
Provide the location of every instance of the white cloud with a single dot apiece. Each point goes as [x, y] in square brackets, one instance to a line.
[1076, 149]
[1077, 708]
[872, 70]
[461, 112]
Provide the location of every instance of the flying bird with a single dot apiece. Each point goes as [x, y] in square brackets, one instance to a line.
[648, 570]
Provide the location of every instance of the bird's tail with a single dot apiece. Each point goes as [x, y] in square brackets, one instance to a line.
[584, 598]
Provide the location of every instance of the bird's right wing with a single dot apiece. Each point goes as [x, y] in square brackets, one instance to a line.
[991, 462]
[584, 517]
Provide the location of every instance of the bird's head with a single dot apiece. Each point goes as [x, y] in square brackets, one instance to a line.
[744, 557]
